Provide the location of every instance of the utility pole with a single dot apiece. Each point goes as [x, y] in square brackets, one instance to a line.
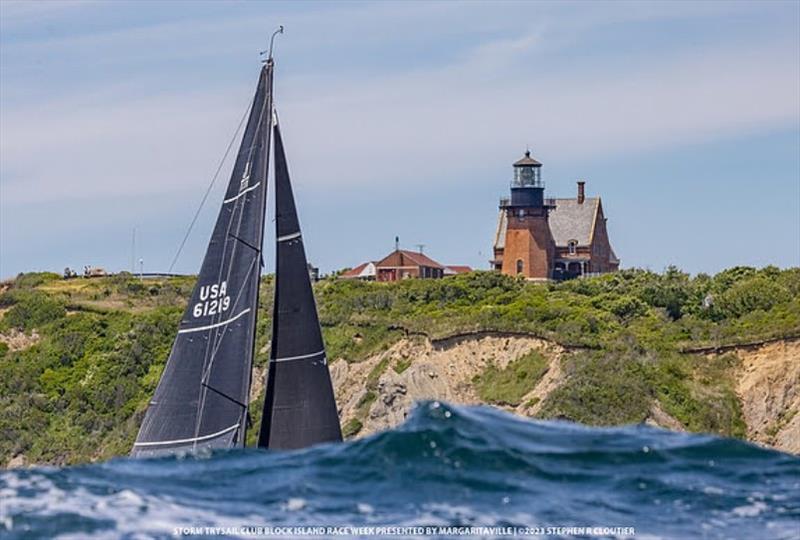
[133, 252]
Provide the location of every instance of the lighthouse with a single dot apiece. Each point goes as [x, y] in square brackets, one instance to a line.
[529, 245]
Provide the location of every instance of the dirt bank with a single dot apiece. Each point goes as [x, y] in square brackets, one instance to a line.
[436, 371]
[768, 382]
[769, 389]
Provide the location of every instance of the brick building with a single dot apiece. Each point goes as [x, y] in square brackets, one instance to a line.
[402, 264]
[550, 238]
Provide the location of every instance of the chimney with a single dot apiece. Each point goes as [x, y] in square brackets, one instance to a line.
[397, 243]
[581, 191]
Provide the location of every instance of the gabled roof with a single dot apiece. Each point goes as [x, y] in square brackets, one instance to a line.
[362, 270]
[569, 220]
[572, 221]
[420, 259]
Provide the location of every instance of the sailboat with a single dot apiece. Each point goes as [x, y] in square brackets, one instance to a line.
[201, 401]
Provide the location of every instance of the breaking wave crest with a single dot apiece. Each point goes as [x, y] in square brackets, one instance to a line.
[445, 466]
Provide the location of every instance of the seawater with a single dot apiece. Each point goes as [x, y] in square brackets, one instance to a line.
[446, 472]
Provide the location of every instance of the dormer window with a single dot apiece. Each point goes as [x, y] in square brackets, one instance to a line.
[573, 247]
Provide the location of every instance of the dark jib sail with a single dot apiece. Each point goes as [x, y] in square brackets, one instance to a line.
[201, 399]
[299, 406]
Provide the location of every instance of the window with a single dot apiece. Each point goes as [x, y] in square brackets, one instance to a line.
[573, 246]
[520, 266]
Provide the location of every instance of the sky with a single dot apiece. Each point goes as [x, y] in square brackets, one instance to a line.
[401, 119]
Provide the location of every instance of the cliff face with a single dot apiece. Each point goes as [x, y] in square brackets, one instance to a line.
[444, 371]
[769, 389]
[767, 383]
[378, 393]
[81, 358]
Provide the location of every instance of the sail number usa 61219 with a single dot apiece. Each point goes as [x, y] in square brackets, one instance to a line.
[214, 299]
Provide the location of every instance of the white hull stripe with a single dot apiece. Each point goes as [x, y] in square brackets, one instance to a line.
[193, 439]
[210, 326]
[301, 357]
[251, 188]
[289, 237]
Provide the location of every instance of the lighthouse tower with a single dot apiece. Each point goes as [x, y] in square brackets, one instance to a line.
[529, 245]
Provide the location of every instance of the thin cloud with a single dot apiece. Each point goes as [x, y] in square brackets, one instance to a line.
[401, 94]
[350, 129]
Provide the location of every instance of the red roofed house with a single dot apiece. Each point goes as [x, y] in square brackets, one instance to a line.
[402, 264]
[453, 269]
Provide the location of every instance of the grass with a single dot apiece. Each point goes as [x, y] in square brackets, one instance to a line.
[376, 372]
[509, 385]
[401, 365]
[783, 420]
[352, 428]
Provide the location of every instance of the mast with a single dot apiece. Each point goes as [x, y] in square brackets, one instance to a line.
[202, 398]
[270, 63]
[299, 405]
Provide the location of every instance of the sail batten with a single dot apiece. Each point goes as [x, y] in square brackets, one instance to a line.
[299, 405]
[201, 399]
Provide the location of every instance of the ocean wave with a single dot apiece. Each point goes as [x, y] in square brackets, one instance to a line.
[445, 466]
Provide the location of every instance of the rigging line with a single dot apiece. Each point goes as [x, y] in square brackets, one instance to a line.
[260, 235]
[210, 186]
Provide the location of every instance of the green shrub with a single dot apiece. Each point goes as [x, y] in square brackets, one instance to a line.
[699, 393]
[402, 365]
[94, 370]
[366, 401]
[601, 388]
[628, 307]
[376, 372]
[34, 279]
[352, 428]
[508, 386]
[32, 309]
[748, 295]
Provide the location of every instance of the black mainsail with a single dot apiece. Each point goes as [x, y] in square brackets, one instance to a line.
[202, 398]
[299, 406]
